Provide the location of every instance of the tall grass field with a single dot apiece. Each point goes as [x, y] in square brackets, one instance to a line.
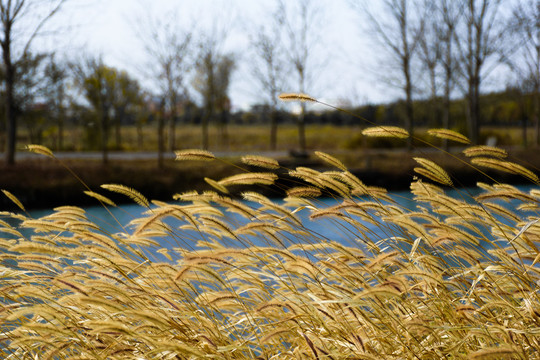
[212, 276]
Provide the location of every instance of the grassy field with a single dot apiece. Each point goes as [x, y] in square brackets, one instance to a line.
[256, 138]
[448, 276]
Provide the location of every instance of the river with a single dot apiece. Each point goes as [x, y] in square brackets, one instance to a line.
[114, 219]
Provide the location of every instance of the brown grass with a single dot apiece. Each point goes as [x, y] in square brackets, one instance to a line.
[443, 278]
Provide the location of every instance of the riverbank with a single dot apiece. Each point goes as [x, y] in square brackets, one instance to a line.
[40, 182]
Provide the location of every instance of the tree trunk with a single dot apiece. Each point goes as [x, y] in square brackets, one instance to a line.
[161, 137]
[273, 129]
[11, 120]
[104, 137]
[302, 129]
[447, 89]
[139, 135]
[60, 144]
[409, 111]
[223, 133]
[446, 116]
[536, 117]
[172, 130]
[204, 123]
[475, 112]
[117, 129]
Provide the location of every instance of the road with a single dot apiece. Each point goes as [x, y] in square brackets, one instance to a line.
[139, 155]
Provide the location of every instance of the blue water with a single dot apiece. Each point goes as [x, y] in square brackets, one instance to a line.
[115, 220]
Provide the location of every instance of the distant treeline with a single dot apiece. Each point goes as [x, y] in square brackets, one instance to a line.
[505, 108]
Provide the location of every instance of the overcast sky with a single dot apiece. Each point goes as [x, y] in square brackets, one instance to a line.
[109, 28]
[353, 65]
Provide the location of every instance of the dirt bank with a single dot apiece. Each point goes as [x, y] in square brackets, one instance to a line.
[45, 183]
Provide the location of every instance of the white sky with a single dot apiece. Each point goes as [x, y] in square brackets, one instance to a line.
[107, 27]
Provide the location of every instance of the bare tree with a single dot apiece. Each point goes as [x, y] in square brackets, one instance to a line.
[430, 51]
[212, 79]
[127, 99]
[400, 36]
[168, 45]
[480, 43]
[525, 26]
[450, 14]
[270, 70]
[27, 89]
[301, 25]
[56, 78]
[97, 82]
[16, 36]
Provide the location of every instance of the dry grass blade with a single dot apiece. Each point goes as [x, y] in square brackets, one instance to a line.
[14, 199]
[386, 131]
[216, 185]
[100, 198]
[433, 171]
[485, 150]
[449, 135]
[501, 352]
[331, 160]
[505, 166]
[260, 161]
[40, 149]
[296, 97]
[249, 179]
[129, 192]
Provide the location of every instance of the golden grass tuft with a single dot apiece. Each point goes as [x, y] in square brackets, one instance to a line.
[129, 192]
[444, 275]
[40, 149]
[99, 197]
[14, 199]
[260, 161]
[331, 160]
[433, 171]
[449, 135]
[194, 154]
[506, 166]
[485, 150]
[386, 131]
[295, 97]
[249, 179]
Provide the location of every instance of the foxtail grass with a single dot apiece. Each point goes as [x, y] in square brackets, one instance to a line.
[209, 275]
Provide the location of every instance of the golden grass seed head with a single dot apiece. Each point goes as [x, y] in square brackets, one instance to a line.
[506, 166]
[485, 150]
[499, 352]
[329, 159]
[432, 171]
[100, 198]
[216, 185]
[304, 191]
[260, 161]
[249, 179]
[40, 149]
[295, 97]
[14, 199]
[129, 192]
[194, 154]
[449, 135]
[386, 131]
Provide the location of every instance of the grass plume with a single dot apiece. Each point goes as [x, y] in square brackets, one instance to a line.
[446, 275]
